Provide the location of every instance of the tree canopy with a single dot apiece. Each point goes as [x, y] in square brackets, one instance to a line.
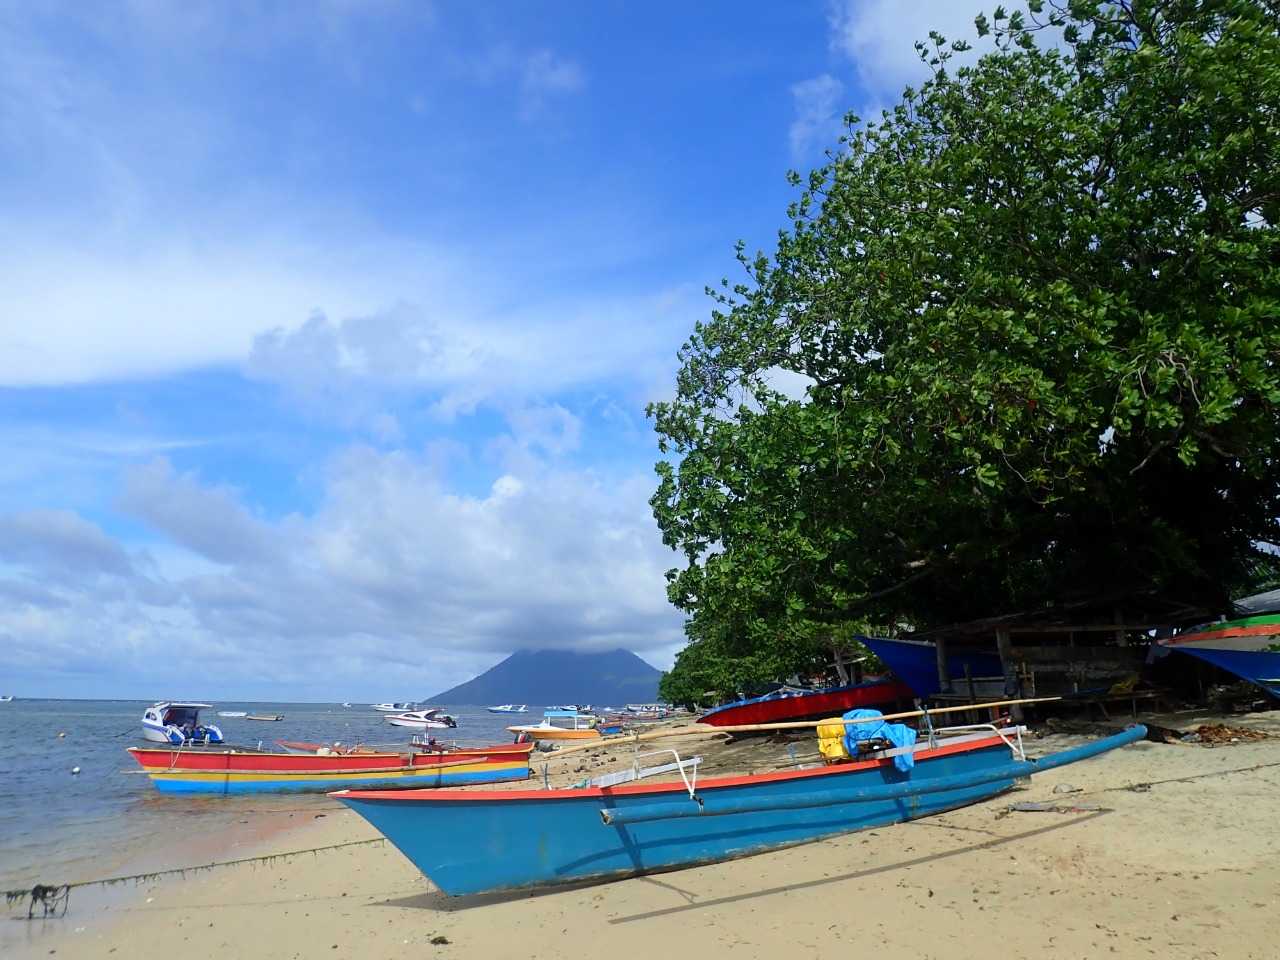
[1035, 312]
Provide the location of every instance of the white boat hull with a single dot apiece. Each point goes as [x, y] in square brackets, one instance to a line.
[417, 724]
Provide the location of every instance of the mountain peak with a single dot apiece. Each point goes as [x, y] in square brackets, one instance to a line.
[560, 676]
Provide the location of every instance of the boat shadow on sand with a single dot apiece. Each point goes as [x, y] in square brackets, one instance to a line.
[439, 902]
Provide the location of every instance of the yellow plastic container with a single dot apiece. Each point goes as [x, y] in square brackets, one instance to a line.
[831, 740]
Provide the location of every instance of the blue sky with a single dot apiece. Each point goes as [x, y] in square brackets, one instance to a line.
[327, 328]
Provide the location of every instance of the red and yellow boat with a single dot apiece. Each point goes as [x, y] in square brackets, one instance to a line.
[255, 771]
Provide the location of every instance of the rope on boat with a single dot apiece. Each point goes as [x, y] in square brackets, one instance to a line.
[53, 899]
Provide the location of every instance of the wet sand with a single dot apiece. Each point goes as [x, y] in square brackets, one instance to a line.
[1187, 865]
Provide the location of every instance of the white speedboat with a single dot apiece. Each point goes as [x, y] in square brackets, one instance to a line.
[433, 719]
[233, 713]
[510, 708]
[396, 707]
[178, 723]
[7, 698]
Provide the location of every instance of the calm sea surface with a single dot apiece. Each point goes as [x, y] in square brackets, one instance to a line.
[57, 826]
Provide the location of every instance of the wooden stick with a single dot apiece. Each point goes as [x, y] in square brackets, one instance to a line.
[704, 730]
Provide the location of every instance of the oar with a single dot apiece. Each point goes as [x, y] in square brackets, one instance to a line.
[705, 730]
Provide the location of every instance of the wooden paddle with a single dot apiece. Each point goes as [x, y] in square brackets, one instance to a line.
[704, 730]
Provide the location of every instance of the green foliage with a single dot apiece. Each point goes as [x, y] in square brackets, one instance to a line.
[1037, 307]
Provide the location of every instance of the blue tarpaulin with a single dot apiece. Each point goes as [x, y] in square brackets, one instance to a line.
[898, 734]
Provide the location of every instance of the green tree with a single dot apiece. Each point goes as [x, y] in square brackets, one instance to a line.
[1036, 306]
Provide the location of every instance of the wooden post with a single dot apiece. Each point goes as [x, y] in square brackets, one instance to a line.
[944, 679]
[841, 672]
[1005, 646]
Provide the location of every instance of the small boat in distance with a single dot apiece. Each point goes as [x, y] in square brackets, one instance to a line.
[510, 708]
[346, 704]
[7, 698]
[430, 719]
[396, 707]
[233, 713]
[269, 717]
[169, 721]
[469, 841]
[571, 725]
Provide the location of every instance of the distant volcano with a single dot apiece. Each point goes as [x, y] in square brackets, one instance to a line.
[543, 677]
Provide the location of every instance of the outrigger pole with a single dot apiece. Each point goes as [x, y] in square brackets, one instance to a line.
[705, 730]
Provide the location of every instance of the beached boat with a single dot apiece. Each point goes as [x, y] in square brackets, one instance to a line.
[479, 841]
[251, 771]
[432, 719]
[560, 725]
[169, 721]
[791, 704]
[510, 708]
[915, 662]
[396, 707]
[1249, 648]
[268, 717]
[233, 713]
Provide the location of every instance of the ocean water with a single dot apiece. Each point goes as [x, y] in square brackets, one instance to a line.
[56, 826]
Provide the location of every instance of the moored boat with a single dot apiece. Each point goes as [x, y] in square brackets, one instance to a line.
[6, 698]
[510, 708]
[170, 721]
[431, 719]
[803, 704]
[251, 771]
[396, 707]
[480, 841]
[233, 713]
[560, 725]
[268, 717]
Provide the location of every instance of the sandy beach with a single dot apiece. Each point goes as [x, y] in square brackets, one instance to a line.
[1179, 861]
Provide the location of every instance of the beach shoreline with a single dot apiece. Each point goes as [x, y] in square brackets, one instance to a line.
[1176, 862]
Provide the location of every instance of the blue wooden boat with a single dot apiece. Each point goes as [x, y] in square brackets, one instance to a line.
[477, 841]
[915, 662]
[1249, 648]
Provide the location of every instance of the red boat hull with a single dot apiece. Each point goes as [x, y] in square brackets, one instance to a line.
[188, 759]
[805, 706]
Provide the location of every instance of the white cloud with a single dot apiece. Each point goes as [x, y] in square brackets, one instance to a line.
[105, 308]
[879, 37]
[819, 105]
[392, 571]
[458, 359]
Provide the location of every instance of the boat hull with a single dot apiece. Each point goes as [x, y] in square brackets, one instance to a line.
[249, 761]
[802, 706]
[534, 838]
[556, 733]
[474, 842]
[417, 776]
[1249, 648]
